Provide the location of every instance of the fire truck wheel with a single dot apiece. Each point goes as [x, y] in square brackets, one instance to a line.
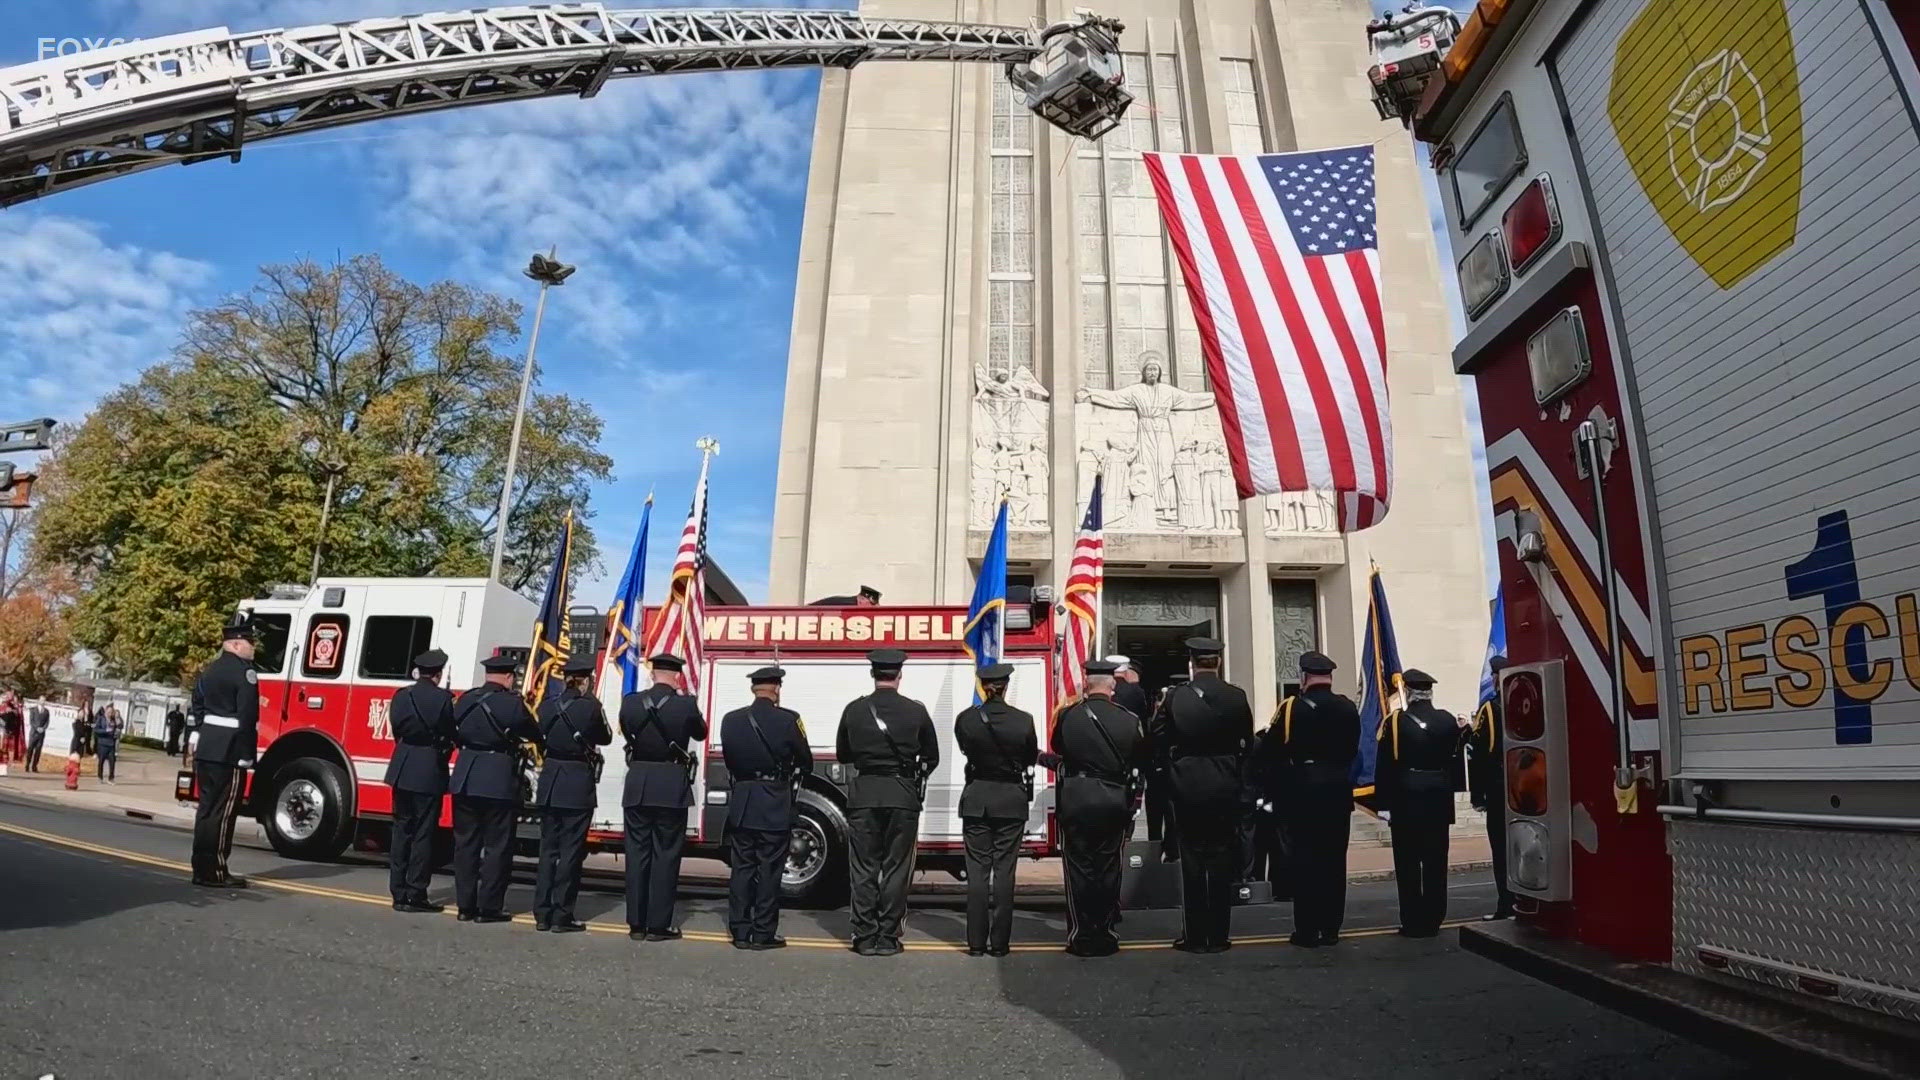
[816, 870]
[306, 814]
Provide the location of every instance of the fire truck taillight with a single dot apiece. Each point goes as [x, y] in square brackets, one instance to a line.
[1531, 224]
[1558, 356]
[1483, 274]
[1527, 781]
[1539, 826]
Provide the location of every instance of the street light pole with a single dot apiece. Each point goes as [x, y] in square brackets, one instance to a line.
[548, 273]
[334, 469]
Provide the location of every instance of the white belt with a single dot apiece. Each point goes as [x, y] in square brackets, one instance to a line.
[220, 721]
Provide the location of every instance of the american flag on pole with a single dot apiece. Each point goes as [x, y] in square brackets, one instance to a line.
[678, 625]
[1086, 573]
[1282, 265]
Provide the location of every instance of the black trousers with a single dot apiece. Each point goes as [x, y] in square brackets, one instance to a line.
[993, 845]
[1319, 836]
[173, 738]
[1210, 865]
[220, 791]
[563, 849]
[38, 741]
[482, 852]
[1420, 869]
[654, 838]
[1091, 855]
[753, 891]
[1269, 854]
[410, 856]
[107, 765]
[1497, 842]
[880, 854]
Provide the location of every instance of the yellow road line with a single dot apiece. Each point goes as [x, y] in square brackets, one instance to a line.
[709, 936]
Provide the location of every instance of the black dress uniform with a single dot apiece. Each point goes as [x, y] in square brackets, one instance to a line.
[1098, 747]
[889, 741]
[226, 707]
[1415, 778]
[1201, 734]
[766, 752]
[490, 723]
[1310, 747]
[421, 717]
[574, 728]
[659, 725]
[1487, 787]
[1001, 747]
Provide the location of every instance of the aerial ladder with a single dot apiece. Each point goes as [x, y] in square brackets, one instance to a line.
[73, 120]
[1407, 49]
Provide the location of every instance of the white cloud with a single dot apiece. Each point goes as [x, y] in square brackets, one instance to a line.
[84, 314]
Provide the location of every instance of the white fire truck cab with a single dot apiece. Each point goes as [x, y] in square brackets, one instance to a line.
[1689, 257]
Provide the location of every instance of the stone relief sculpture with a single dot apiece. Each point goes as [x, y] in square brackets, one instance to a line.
[1009, 449]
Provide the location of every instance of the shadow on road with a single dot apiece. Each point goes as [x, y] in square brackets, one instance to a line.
[49, 887]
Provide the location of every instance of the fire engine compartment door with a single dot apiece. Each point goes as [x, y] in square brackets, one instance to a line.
[1750, 167]
[819, 689]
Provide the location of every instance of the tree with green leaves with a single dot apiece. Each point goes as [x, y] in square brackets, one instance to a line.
[203, 481]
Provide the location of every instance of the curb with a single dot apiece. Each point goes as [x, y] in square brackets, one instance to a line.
[168, 817]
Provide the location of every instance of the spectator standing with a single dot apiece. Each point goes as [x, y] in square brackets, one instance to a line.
[176, 729]
[37, 721]
[13, 744]
[106, 743]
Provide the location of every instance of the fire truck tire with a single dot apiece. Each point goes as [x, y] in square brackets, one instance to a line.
[816, 872]
[305, 815]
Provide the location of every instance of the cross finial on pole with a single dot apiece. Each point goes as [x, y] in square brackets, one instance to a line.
[707, 446]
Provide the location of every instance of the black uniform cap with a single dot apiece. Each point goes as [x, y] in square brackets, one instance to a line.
[1416, 678]
[1205, 646]
[667, 662]
[499, 664]
[431, 660]
[767, 675]
[238, 628]
[580, 666]
[996, 673]
[1101, 667]
[886, 662]
[1313, 663]
[870, 591]
[1497, 663]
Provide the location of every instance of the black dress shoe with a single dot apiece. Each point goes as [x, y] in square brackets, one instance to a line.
[425, 907]
[541, 925]
[999, 950]
[412, 908]
[885, 948]
[669, 934]
[493, 917]
[567, 926]
[1329, 937]
[971, 951]
[1496, 916]
[742, 943]
[1186, 946]
[468, 916]
[214, 883]
[1304, 939]
[233, 881]
[638, 935]
[774, 942]
[864, 947]
[1217, 947]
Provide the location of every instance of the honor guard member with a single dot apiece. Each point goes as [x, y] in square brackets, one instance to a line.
[659, 725]
[766, 753]
[421, 717]
[1310, 746]
[1098, 747]
[889, 741]
[1487, 785]
[1001, 747]
[226, 708]
[491, 722]
[574, 728]
[1415, 775]
[1127, 691]
[1200, 735]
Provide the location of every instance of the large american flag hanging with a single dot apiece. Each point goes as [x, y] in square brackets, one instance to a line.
[1086, 574]
[678, 626]
[1282, 265]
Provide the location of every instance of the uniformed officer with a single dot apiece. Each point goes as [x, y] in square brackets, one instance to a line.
[421, 717]
[1310, 747]
[1099, 748]
[659, 724]
[574, 728]
[1415, 776]
[490, 723]
[1487, 786]
[1127, 691]
[889, 741]
[1200, 734]
[226, 709]
[766, 752]
[1001, 747]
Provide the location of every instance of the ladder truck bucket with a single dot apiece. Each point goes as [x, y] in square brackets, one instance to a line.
[1077, 83]
[1407, 50]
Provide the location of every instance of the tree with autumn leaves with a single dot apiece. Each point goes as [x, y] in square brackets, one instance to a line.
[202, 482]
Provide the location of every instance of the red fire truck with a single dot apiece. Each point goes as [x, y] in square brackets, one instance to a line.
[1689, 256]
[331, 656]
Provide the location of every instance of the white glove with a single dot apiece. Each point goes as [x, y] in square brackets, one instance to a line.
[248, 764]
[1386, 816]
[1264, 804]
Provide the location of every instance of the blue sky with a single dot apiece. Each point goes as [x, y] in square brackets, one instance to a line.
[679, 198]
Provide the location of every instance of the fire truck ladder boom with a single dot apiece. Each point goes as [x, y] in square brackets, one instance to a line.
[74, 120]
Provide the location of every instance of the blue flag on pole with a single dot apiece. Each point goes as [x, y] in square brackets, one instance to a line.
[623, 620]
[1496, 646]
[550, 634]
[1379, 683]
[986, 635]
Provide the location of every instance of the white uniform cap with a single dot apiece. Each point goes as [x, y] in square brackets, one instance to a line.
[1122, 661]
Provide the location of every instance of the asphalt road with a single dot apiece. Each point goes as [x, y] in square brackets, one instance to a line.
[114, 966]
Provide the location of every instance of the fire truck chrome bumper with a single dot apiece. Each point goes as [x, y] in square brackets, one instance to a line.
[1793, 1036]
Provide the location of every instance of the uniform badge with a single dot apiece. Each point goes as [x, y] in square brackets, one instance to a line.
[252, 676]
[802, 725]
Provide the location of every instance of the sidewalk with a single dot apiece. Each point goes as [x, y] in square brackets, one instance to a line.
[145, 791]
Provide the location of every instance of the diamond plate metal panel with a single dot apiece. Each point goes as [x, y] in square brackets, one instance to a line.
[1833, 901]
